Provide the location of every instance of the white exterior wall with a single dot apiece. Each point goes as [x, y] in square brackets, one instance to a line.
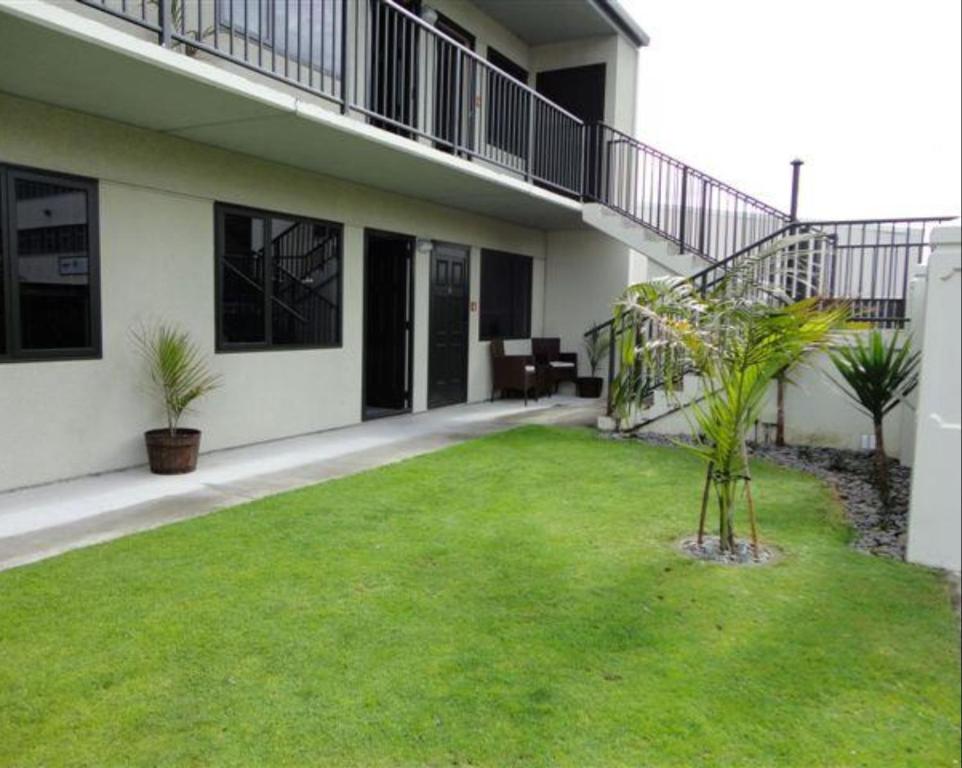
[586, 273]
[915, 332]
[817, 412]
[621, 61]
[487, 32]
[935, 532]
[157, 195]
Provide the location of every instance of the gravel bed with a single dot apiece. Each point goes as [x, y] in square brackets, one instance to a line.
[711, 551]
[879, 531]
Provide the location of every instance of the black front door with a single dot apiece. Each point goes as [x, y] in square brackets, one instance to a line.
[448, 355]
[388, 324]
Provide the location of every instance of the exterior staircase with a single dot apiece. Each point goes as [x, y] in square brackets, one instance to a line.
[645, 198]
[691, 224]
[665, 253]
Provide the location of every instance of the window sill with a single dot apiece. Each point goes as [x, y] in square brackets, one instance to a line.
[243, 349]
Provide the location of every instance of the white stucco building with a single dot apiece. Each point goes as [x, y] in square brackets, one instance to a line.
[140, 181]
[343, 201]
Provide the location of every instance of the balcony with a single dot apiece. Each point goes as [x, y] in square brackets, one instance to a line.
[396, 90]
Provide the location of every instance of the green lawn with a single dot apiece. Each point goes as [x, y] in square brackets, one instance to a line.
[513, 601]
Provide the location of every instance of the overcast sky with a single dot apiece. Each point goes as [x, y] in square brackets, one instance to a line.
[867, 93]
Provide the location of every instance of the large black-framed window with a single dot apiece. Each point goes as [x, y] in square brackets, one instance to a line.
[505, 295]
[49, 266]
[279, 280]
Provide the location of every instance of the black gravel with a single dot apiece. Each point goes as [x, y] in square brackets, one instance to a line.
[880, 529]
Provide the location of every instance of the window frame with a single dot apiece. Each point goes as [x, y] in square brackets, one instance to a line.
[9, 262]
[529, 260]
[221, 345]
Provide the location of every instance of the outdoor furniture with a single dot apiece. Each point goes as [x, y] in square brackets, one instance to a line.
[514, 372]
[560, 366]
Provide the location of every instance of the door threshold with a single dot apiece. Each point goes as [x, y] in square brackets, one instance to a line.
[373, 414]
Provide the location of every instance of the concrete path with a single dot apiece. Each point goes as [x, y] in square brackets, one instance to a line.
[41, 522]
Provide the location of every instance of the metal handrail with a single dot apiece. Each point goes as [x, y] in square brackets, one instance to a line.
[335, 51]
[479, 60]
[871, 277]
[693, 209]
[701, 175]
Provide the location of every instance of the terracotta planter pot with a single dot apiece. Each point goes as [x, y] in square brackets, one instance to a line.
[590, 386]
[172, 454]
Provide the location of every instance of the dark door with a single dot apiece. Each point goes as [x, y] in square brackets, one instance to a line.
[448, 344]
[388, 315]
[393, 76]
[453, 88]
[580, 91]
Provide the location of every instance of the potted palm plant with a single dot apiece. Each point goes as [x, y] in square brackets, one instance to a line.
[178, 376]
[596, 345]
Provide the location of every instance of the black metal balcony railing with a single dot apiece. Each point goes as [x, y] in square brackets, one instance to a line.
[692, 209]
[377, 59]
[864, 263]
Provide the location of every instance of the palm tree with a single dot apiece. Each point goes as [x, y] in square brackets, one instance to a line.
[738, 339]
[879, 376]
[176, 367]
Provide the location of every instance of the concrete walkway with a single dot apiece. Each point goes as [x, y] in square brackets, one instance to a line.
[41, 522]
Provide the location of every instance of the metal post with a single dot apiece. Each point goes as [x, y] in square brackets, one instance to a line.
[611, 368]
[165, 13]
[683, 214]
[345, 59]
[583, 183]
[532, 107]
[780, 379]
[796, 175]
[702, 230]
[458, 100]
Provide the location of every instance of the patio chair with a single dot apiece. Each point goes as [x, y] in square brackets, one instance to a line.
[560, 366]
[514, 373]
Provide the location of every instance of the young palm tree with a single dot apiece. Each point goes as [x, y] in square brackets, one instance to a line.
[738, 339]
[879, 376]
[177, 369]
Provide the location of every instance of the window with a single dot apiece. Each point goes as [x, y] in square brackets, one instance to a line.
[49, 286]
[505, 295]
[278, 281]
[508, 106]
[312, 26]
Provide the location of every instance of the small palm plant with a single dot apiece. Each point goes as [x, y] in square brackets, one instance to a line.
[178, 372]
[596, 347]
[879, 376]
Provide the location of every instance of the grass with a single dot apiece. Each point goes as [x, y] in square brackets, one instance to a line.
[513, 601]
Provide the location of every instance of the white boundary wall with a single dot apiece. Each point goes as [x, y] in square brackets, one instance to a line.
[935, 533]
